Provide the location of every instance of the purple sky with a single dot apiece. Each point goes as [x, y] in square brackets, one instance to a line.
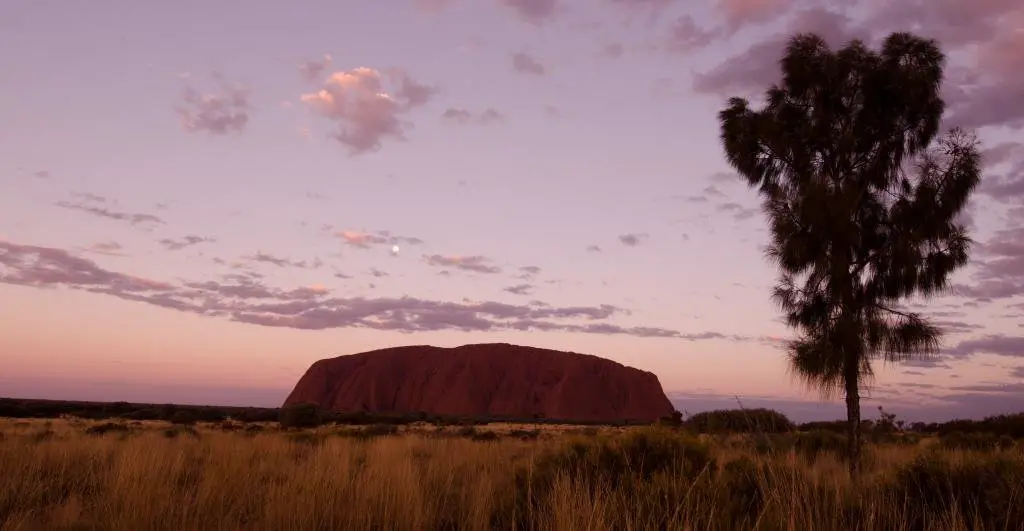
[199, 199]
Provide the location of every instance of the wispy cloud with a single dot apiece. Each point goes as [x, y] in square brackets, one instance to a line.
[466, 117]
[267, 258]
[172, 244]
[244, 299]
[475, 264]
[365, 240]
[312, 70]
[520, 289]
[109, 248]
[219, 112]
[527, 64]
[90, 205]
[633, 239]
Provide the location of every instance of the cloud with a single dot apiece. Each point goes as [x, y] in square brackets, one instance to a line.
[999, 274]
[685, 35]
[109, 248]
[527, 64]
[365, 240]
[997, 344]
[528, 272]
[378, 273]
[178, 244]
[593, 248]
[751, 72]
[633, 239]
[135, 219]
[956, 327]
[28, 265]
[738, 211]
[363, 111]
[475, 264]
[713, 191]
[311, 70]
[1009, 186]
[983, 40]
[266, 258]
[42, 174]
[244, 299]
[1017, 372]
[218, 113]
[520, 289]
[88, 197]
[738, 13]
[464, 117]
[992, 388]
[988, 33]
[534, 12]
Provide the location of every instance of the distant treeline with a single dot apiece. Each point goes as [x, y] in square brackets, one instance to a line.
[720, 421]
[771, 421]
[34, 408]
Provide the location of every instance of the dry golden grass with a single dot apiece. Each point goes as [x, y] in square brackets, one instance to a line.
[55, 476]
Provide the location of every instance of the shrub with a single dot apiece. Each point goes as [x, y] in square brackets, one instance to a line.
[640, 453]
[176, 431]
[525, 435]
[304, 415]
[379, 430]
[106, 427]
[183, 417]
[307, 438]
[739, 421]
[988, 490]
[978, 442]
[674, 420]
[813, 444]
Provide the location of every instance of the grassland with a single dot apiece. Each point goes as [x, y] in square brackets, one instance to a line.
[143, 475]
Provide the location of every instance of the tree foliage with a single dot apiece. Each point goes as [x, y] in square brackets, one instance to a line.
[863, 198]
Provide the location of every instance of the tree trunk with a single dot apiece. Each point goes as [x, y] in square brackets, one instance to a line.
[853, 426]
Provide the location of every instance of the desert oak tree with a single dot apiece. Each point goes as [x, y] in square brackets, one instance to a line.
[862, 195]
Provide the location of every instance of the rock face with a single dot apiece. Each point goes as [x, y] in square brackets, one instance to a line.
[497, 379]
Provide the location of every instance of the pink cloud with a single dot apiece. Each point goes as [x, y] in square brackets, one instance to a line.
[364, 112]
[365, 240]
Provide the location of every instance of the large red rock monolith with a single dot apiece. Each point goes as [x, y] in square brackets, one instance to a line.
[485, 380]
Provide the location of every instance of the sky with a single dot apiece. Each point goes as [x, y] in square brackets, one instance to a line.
[198, 199]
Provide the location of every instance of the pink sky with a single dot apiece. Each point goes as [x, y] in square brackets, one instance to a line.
[199, 199]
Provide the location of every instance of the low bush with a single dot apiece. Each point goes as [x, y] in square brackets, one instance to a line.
[987, 492]
[299, 416]
[739, 421]
[106, 427]
[979, 442]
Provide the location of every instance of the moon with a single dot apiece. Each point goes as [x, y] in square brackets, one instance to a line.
[394, 250]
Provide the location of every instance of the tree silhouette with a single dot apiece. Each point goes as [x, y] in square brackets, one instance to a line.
[862, 206]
